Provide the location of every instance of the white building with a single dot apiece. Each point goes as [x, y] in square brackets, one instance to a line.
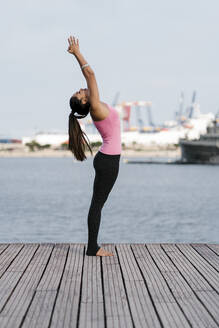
[53, 139]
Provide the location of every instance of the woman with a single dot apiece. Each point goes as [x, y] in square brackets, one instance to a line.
[106, 160]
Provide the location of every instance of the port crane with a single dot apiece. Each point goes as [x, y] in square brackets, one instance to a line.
[144, 105]
[192, 106]
[115, 100]
[179, 117]
[137, 106]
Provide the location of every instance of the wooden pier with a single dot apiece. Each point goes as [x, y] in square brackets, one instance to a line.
[142, 285]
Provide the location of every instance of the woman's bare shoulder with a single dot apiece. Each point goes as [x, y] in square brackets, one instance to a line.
[100, 113]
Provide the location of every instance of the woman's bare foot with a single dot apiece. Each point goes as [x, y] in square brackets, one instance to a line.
[102, 252]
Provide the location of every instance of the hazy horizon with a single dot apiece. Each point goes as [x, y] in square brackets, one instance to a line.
[144, 50]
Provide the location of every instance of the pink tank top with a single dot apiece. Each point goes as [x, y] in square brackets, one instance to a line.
[110, 131]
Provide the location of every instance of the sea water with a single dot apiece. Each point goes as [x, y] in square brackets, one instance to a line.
[48, 199]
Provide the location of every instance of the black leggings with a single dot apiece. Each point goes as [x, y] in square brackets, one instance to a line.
[106, 171]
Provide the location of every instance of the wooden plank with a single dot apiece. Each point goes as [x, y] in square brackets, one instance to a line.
[67, 303]
[214, 247]
[142, 309]
[13, 267]
[21, 281]
[91, 307]
[203, 291]
[7, 256]
[40, 309]
[208, 254]
[205, 269]
[3, 247]
[116, 303]
[193, 309]
[167, 308]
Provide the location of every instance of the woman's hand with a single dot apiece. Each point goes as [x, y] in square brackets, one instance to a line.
[73, 45]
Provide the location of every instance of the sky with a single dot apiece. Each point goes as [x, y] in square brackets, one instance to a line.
[145, 50]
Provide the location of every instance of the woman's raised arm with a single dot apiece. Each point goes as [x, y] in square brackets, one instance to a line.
[87, 72]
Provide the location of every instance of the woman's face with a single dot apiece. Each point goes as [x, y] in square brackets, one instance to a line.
[82, 94]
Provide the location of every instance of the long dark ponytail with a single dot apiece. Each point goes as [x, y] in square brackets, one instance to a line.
[77, 141]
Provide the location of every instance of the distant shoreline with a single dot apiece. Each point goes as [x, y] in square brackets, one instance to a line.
[66, 153]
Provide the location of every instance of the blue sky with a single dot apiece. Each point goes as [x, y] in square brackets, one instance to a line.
[145, 50]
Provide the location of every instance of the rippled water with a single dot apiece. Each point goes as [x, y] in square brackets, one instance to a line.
[47, 200]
